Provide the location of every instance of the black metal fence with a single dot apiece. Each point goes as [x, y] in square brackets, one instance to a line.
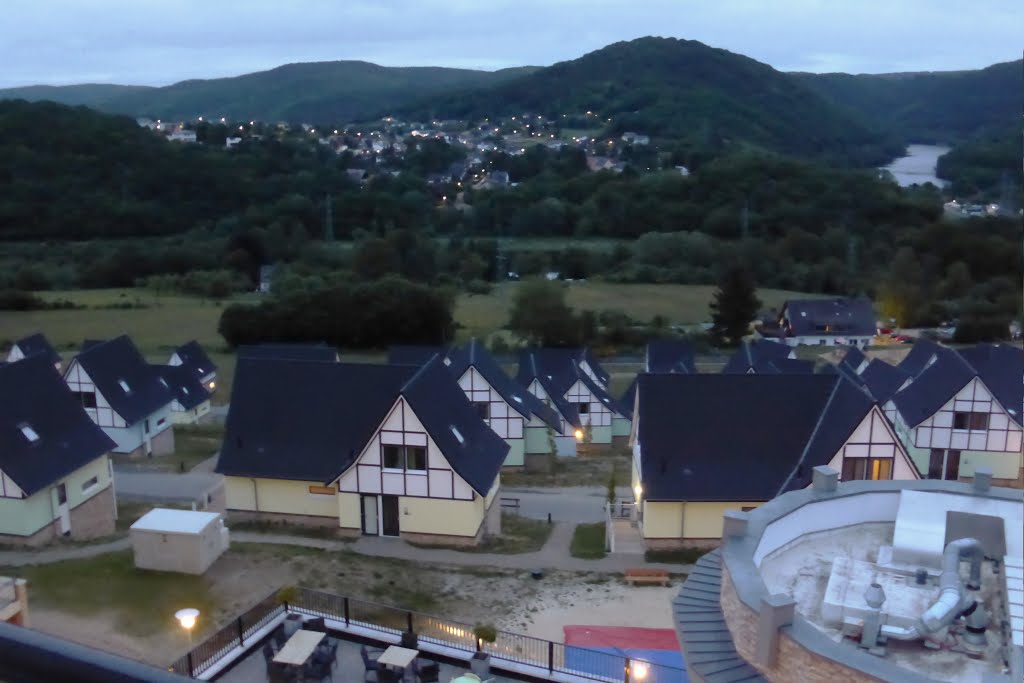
[545, 655]
[233, 634]
[511, 647]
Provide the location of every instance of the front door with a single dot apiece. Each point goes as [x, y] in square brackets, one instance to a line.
[952, 465]
[369, 515]
[389, 515]
[63, 511]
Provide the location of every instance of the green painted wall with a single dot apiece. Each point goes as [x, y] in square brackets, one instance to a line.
[1003, 465]
[536, 440]
[515, 452]
[24, 517]
[620, 426]
[601, 434]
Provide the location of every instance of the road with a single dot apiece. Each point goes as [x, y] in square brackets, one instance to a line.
[164, 486]
[565, 504]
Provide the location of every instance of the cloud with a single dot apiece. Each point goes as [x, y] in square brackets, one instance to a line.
[155, 43]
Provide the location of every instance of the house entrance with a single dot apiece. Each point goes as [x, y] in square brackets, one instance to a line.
[369, 515]
[389, 515]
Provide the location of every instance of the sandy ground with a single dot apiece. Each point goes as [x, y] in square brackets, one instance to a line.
[511, 600]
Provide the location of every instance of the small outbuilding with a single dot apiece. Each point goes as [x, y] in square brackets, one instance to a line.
[183, 541]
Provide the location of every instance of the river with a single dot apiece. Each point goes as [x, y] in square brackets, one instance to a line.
[918, 166]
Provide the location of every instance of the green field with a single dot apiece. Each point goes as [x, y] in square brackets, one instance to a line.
[160, 323]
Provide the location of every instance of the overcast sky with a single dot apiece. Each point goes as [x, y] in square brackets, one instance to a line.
[160, 42]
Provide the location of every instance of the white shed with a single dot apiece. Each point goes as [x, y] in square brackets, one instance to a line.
[178, 540]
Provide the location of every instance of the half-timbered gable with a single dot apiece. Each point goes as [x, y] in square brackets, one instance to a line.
[191, 397]
[32, 345]
[765, 357]
[55, 477]
[590, 407]
[124, 395]
[963, 410]
[193, 357]
[703, 444]
[374, 449]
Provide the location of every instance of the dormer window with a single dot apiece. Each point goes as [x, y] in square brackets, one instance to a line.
[163, 381]
[200, 371]
[184, 390]
[30, 434]
[124, 386]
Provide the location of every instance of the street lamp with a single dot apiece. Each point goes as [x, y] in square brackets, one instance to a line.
[187, 618]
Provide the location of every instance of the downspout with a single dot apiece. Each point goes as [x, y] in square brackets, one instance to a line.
[953, 599]
[255, 493]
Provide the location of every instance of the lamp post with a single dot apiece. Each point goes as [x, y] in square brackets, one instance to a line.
[187, 618]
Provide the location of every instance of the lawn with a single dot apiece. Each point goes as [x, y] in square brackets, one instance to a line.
[143, 602]
[588, 541]
[583, 470]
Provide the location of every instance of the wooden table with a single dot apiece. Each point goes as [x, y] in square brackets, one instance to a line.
[299, 648]
[398, 657]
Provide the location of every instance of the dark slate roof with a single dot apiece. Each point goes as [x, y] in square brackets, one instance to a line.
[414, 355]
[917, 359]
[766, 357]
[708, 648]
[738, 437]
[32, 394]
[316, 352]
[475, 355]
[442, 407]
[670, 355]
[185, 383]
[38, 344]
[1001, 368]
[882, 379]
[194, 357]
[326, 413]
[556, 361]
[853, 357]
[531, 368]
[111, 362]
[933, 387]
[842, 317]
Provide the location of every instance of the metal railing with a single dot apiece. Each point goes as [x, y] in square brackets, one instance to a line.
[233, 634]
[510, 647]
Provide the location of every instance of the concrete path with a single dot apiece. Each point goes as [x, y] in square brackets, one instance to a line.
[164, 486]
[565, 504]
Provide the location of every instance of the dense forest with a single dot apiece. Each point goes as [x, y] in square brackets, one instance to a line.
[986, 166]
[681, 90]
[929, 107]
[334, 91]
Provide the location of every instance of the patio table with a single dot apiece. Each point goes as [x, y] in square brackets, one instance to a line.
[299, 648]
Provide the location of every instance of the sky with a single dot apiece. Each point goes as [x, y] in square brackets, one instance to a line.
[145, 42]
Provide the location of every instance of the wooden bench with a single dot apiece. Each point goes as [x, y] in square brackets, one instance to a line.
[657, 576]
[509, 504]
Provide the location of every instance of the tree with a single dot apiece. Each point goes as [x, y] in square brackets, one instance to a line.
[734, 305]
[541, 315]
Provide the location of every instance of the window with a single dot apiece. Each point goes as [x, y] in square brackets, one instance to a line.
[483, 409]
[867, 468]
[321, 490]
[163, 382]
[405, 457]
[935, 460]
[29, 433]
[944, 464]
[393, 457]
[747, 508]
[822, 342]
[87, 398]
[584, 408]
[86, 485]
[971, 421]
[124, 386]
[160, 422]
[145, 426]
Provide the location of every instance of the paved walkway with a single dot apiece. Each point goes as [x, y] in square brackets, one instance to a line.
[553, 556]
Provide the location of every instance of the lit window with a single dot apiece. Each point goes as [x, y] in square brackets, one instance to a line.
[29, 433]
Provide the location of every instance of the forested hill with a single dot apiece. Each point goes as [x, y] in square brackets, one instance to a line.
[683, 90]
[929, 106]
[309, 92]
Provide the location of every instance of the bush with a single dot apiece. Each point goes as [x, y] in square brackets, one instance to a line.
[18, 300]
[682, 556]
[485, 632]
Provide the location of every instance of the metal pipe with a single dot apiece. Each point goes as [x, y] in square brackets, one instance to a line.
[953, 599]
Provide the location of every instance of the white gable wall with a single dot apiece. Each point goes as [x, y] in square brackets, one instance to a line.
[1003, 434]
[875, 438]
[15, 354]
[8, 489]
[503, 419]
[402, 427]
[599, 414]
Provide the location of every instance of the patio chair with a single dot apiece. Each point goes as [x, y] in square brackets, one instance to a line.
[282, 673]
[317, 669]
[371, 664]
[428, 673]
[268, 652]
[328, 648]
[279, 637]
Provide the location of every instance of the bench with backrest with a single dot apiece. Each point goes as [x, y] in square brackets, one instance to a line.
[639, 575]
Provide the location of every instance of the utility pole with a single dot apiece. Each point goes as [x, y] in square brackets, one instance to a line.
[328, 219]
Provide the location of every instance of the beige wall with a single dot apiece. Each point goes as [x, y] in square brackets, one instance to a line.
[694, 520]
[349, 512]
[279, 495]
[441, 517]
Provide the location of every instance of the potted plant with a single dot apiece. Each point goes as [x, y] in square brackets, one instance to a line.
[292, 622]
[480, 664]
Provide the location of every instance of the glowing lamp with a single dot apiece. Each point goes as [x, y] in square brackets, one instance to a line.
[579, 435]
[639, 671]
[638, 490]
